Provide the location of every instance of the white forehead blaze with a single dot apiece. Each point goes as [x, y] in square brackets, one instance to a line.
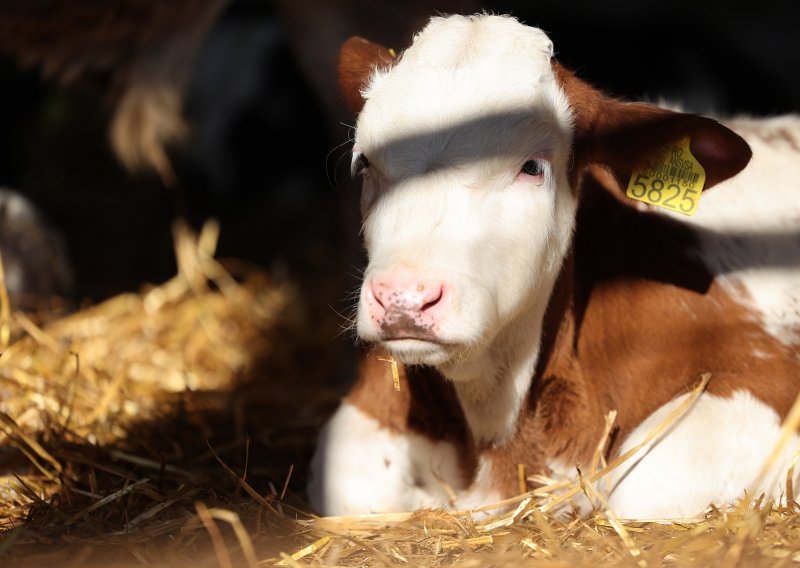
[468, 89]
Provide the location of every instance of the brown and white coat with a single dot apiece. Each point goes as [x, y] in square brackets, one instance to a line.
[526, 296]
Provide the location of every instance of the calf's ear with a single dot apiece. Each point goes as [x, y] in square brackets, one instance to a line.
[358, 59]
[627, 136]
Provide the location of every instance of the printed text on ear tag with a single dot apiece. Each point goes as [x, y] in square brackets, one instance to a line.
[673, 181]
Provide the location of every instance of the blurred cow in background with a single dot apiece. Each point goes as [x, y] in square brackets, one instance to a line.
[197, 91]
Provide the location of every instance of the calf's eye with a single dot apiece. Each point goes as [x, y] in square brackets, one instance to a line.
[360, 164]
[533, 168]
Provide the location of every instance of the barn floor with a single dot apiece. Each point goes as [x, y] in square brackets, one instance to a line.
[173, 427]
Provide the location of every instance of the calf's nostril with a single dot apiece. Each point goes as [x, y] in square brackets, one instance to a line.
[432, 302]
[375, 292]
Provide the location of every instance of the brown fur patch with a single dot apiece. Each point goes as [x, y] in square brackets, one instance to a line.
[633, 337]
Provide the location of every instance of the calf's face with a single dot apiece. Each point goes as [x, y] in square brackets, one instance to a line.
[463, 145]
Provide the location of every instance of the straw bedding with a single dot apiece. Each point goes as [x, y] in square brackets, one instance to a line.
[173, 427]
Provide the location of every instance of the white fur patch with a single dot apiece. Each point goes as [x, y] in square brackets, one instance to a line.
[752, 222]
[713, 455]
[482, 491]
[361, 468]
[447, 131]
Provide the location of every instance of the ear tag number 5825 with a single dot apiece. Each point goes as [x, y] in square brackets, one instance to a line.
[673, 181]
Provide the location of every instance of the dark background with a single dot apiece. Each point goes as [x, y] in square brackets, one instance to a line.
[263, 155]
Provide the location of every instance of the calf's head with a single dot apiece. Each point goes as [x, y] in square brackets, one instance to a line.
[470, 145]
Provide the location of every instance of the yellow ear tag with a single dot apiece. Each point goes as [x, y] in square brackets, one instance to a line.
[673, 181]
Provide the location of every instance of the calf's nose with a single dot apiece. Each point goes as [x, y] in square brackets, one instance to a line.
[402, 302]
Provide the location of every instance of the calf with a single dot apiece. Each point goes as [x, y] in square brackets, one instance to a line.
[525, 296]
